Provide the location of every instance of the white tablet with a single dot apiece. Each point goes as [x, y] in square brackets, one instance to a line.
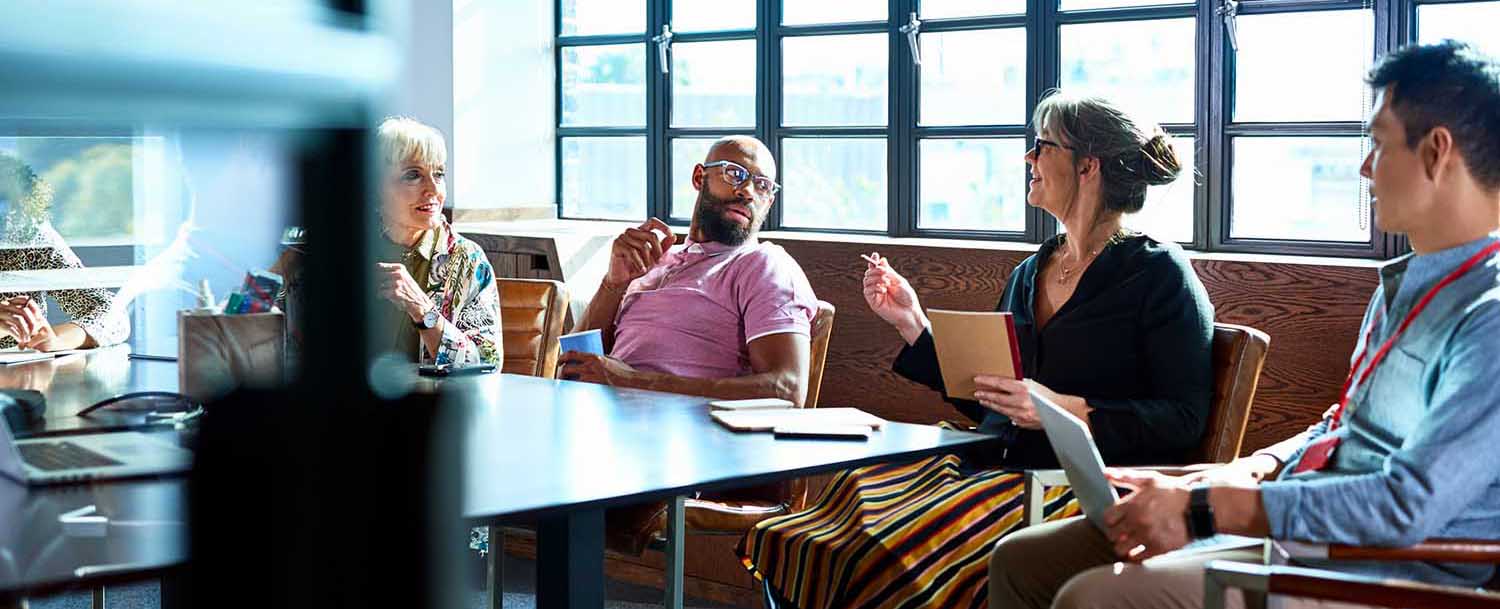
[1075, 450]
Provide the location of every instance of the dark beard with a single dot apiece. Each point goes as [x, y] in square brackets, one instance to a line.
[716, 227]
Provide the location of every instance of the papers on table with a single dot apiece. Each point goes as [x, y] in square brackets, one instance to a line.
[14, 356]
[21, 356]
[768, 420]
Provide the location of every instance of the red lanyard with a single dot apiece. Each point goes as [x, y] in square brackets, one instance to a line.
[1350, 385]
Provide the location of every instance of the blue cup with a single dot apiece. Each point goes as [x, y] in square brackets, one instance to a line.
[588, 341]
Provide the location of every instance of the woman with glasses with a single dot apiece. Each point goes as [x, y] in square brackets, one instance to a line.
[1112, 325]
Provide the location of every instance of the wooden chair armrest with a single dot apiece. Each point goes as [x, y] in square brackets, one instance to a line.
[1433, 550]
[1220, 575]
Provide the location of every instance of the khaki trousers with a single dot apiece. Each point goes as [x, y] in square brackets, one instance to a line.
[1069, 564]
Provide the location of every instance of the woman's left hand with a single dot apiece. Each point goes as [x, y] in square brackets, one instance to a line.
[22, 318]
[1008, 397]
[398, 287]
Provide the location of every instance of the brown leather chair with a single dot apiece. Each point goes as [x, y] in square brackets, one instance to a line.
[1282, 580]
[531, 319]
[1239, 352]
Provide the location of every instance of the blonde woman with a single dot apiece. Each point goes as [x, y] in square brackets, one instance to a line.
[440, 281]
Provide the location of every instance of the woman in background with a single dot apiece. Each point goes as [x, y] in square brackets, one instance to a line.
[441, 282]
[28, 242]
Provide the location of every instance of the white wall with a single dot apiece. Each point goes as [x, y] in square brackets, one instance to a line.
[503, 104]
[424, 90]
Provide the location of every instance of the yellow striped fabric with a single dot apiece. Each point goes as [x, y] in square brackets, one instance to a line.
[895, 536]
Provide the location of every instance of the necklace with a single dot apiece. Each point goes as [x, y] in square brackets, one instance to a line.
[1063, 272]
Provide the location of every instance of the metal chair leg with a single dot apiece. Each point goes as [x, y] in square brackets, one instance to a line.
[676, 536]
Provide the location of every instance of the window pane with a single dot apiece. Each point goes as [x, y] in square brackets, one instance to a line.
[1168, 214]
[805, 12]
[943, 9]
[699, 16]
[1146, 67]
[834, 80]
[590, 17]
[604, 86]
[1329, 77]
[604, 177]
[713, 84]
[1078, 5]
[686, 152]
[92, 180]
[1298, 188]
[834, 183]
[1472, 23]
[974, 78]
[976, 184]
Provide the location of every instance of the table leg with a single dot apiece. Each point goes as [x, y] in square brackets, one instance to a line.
[570, 561]
[495, 569]
[676, 538]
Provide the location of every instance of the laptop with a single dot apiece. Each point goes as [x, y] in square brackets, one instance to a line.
[1080, 459]
[81, 458]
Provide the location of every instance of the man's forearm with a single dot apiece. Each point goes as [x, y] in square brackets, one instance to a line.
[782, 385]
[1238, 511]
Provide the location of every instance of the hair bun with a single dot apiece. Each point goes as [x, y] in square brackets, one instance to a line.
[1159, 164]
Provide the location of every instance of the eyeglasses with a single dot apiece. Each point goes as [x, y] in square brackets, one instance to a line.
[736, 176]
[1041, 143]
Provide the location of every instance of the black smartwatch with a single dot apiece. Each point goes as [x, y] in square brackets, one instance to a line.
[1200, 515]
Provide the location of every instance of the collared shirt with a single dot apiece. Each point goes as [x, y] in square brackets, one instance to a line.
[695, 313]
[1135, 339]
[91, 309]
[1419, 451]
[457, 276]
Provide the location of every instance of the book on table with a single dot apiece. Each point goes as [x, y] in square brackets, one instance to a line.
[970, 344]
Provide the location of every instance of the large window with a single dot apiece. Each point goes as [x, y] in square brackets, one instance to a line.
[911, 118]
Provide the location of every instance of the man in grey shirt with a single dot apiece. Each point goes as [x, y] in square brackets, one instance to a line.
[1410, 452]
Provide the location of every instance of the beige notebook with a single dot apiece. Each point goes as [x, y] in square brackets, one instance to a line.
[767, 420]
[973, 343]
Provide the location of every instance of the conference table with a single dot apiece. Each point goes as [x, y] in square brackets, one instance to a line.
[46, 545]
[559, 453]
[554, 453]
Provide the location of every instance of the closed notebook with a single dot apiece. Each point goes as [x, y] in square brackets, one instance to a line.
[767, 420]
[972, 343]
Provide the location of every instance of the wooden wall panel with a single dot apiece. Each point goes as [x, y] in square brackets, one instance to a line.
[1311, 313]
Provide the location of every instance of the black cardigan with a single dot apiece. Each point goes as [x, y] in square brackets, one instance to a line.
[1135, 340]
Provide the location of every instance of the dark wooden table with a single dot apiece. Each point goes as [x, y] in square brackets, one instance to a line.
[74, 382]
[560, 452]
[145, 534]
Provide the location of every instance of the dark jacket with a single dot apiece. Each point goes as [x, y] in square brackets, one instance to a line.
[1135, 340]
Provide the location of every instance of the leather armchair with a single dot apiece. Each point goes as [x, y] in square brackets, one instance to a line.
[531, 320]
[1290, 581]
[1239, 353]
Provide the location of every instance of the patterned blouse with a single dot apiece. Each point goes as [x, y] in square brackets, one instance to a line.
[44, 248]
[461, 282]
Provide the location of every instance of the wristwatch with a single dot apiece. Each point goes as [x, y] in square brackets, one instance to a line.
[1200, 515]
[429, 319]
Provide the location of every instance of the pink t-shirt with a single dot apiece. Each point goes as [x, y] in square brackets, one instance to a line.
[695, 313]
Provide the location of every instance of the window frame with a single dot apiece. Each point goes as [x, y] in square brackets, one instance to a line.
[1212, 129]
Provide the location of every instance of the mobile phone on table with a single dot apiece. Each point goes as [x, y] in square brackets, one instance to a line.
[451, 370]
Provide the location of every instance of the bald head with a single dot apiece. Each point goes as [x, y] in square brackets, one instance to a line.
[746, 152]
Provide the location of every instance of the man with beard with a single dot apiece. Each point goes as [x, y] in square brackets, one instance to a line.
[723, 315]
